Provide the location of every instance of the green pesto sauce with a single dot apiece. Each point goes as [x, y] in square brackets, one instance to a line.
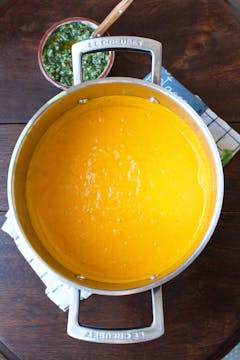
[57, 54]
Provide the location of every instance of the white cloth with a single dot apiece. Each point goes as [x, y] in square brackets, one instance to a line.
[56, 290]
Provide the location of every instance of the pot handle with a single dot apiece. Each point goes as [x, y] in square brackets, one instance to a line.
[117, 336]
[133, 43]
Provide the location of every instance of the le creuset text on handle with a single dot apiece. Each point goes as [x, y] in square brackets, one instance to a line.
[110, 336]
[132, 43]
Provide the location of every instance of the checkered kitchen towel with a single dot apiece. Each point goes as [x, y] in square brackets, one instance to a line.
[228, 143]
[227, 139]
[234, 353]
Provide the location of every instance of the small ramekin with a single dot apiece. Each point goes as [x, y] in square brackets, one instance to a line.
[92, 23]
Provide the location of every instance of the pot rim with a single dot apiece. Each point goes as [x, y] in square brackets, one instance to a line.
[219, 190]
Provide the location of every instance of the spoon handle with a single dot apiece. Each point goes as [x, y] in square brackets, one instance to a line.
[116, 12]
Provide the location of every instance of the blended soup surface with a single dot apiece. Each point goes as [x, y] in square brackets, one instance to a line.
[118, 189]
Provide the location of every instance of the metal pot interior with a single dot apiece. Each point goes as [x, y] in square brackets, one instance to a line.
[50, 112]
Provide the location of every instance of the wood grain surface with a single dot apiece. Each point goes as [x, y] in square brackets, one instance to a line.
[201, 47]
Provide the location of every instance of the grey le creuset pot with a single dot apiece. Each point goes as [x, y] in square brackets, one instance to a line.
[42, 120]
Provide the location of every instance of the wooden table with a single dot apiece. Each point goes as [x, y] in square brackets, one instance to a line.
[201, 47]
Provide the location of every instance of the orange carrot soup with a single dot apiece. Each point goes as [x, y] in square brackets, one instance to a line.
[118, 189]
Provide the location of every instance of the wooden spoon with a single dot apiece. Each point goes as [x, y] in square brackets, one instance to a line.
[116, 12]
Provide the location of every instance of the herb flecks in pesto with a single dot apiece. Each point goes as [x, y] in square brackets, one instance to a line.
[57, 55]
